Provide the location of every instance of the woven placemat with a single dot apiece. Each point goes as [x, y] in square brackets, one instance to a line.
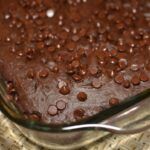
[12, 139]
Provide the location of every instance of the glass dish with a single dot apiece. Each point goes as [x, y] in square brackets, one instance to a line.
[131, 116]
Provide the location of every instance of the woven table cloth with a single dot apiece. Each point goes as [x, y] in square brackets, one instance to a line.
[12, 139]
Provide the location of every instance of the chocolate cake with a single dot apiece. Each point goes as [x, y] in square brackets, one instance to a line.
[65, 60]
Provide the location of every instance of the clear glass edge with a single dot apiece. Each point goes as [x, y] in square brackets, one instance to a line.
[34, 125]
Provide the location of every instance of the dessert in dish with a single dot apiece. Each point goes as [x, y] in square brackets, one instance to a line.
[67, 60]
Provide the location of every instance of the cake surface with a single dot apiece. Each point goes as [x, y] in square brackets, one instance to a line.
[65, 60]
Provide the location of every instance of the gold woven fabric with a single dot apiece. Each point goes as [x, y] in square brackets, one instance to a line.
[12, 139]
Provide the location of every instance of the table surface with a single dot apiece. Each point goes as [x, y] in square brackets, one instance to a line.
[12, 139]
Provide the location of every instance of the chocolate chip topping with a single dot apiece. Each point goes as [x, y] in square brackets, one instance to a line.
[113, 101]
[52, 110]
[75, 64]
[96, 83]
[64, 90]
[82, 96]
[61, 105]
[144, 77]
[134, 67]
[93, 70]
[119, 79]
[61, 83]
[79, 113]
[123, 63]
[7, 16]
[77, 77]
[135, 80]
[35, 117]
[30, 74]
[70, 46]
[113, 52]
[43, 73]
[52, 51]
[126, 83]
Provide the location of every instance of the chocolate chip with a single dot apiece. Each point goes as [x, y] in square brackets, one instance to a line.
[52, 110]
[8, 39]
[58, 58]
[113, 61]
[113, 101]
[144, 77]
[77, 77]
[82, 32]
[39, 21]
[79, 113]
[75, 38]
[82, 96]
[34, 117]
[135, 80]
[55, 69]
[43, 60]
[70, 70]
[20, 54]
[43, 73]
[75, 64]
[64, 90]
[126, 83]
[51, 49]
[71, 46]
[122, 48]
[40, 45]
[75, 16]
[30, 52]
[134, 67]
[30, 74]
[39, 37]
[14, 21]
[51, 65]
[119, 79]
[121, 56]
[96, 83]
[18, 41]
[19, 24]
[123, 63]
[7, 16]
[35, 16]
[63, 35]
[61, 105]
[93, 70]
[47, 42]
[82, 71]
[120, 26]
[61, 83]
[113, 52]
[50, 13]
[111, 73]
[13, 49]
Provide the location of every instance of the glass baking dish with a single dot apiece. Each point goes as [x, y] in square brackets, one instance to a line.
[129, 117]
